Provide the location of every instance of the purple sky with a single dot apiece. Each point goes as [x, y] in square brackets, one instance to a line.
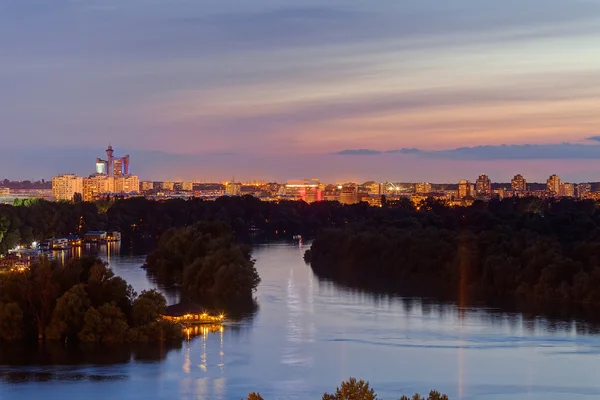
[280, 89]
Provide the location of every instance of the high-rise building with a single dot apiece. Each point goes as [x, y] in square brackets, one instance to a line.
[567, 190]
[349, 194]
[423, 187]
[112, 166]
[127, 184]
[483, 186]
[583, 189]
[97, 185]
[187, 186]
[465, 189]
[65, 186]
[518, 184]
[553, 185]
[233, 189]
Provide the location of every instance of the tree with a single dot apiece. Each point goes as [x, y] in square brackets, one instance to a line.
[148, 307]
[40, 291]
[352, 390]
[107, 324]
[68, 316]
[11, 320]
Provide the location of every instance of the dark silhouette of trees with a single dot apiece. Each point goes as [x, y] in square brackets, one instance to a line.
[526, 249]
[80, 301]
[354, 389]
[205, 259]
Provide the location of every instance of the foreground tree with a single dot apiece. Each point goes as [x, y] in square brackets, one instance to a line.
[68, 316]
[352, 390]
[11, 321]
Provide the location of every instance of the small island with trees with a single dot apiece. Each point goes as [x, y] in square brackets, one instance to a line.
[82, 301]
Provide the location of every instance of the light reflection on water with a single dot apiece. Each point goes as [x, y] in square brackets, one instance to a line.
[310, 334]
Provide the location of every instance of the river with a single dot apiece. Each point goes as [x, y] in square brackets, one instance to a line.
[308, 336]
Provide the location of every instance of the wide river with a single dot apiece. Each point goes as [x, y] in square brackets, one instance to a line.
[308, 336]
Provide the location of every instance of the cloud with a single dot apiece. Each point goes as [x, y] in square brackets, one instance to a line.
[359, 152]
[560, 151]
[594, 138]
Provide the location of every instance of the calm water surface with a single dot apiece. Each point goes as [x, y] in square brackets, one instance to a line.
[308, 336]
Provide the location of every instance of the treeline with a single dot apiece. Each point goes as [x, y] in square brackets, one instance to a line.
[527, 249]
[206, 261]
[142, 219]
[82, 301]
[353, 389]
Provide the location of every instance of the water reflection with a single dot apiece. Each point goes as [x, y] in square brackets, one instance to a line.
[309, 334]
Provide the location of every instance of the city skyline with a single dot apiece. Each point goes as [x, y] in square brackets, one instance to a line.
[250, 87]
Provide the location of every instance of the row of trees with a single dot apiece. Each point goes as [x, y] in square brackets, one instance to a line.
[513, 249]
[81, 301]
[206, 261]
[360, 390]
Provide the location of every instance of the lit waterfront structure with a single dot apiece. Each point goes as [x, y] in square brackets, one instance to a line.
[465, 189]
[423, 187]
[308, 190]
[349, 194]
[483, 186]
[553, 185]
[96, 185]
[518, 184]
[233, 188]
[65, 186]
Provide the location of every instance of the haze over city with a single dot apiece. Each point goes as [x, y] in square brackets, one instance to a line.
[412, 90]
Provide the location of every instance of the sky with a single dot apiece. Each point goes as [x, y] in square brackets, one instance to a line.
[400, 90]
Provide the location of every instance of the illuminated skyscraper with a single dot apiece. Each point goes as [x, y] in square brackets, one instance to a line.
[567, 190]
[465, 189]
[553, 185]
[483, 186]
[518, 184]
[112, 166]
[583, 189]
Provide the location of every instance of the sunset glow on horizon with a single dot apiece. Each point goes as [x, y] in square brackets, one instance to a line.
[269, 79]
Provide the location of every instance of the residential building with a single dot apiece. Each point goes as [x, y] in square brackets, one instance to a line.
[167, 185]
[553, 184]
[65, 186]
[583, 189]
[97, 185]
[465, 189]
[567, 190]
[127, 184]
[518, 184]
[483, 186]
[423, 187]
[233, 189]
[146, 186]
[349, 194]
